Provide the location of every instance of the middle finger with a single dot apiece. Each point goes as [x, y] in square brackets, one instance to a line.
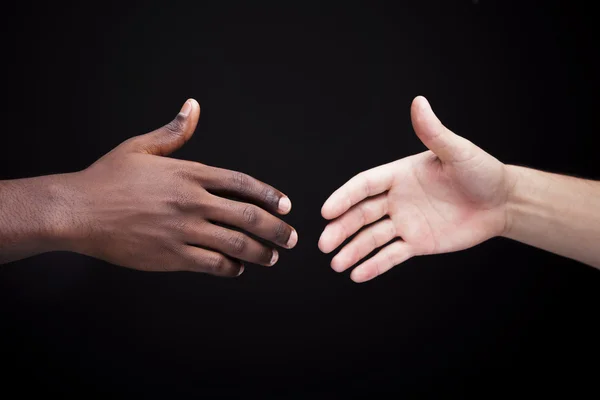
[253, 219]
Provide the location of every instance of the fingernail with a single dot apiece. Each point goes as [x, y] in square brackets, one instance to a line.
[285, 205]
[292, 240]
[241, 270]
[187, 107]
[274, 257]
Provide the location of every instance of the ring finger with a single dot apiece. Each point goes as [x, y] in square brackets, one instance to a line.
[234, 244]
[365, 242]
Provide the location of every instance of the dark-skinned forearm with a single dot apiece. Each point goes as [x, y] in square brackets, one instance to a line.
[34, 216]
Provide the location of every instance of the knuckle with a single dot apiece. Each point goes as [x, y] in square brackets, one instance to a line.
[199, 172]
[185, 199]
[176, 126]
[215, 264]
[180, 226]
[464, 155]
[344, 229]
[181, 173]
[269, 196]
[281, 232]
[250, 215]
[366, 182]
[237, 244]
[240, 181]
[466, 152]
[390, 260]
[362, 214]
[360, 181]
[131, 142]
[355, 255]
[266, 254]
[392, 229]
[377, 269]
[171, 256]
[207, 206]
[374, 241]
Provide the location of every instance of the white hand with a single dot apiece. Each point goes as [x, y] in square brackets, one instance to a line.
[449, 198]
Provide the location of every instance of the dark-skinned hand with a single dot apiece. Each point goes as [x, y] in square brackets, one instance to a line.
[137, 208]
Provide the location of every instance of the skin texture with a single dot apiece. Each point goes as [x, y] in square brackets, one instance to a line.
[449, 198]
[139, 209]
[556, 213]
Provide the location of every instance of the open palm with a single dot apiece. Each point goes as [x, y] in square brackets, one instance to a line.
[446, 199]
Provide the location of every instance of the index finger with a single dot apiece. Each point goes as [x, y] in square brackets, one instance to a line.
[245, 187]
[366, 184]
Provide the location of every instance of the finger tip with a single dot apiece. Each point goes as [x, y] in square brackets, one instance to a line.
[191, 112]
[326, 211]
[323, 212]
[360, 275]
[293, 239]
[324, 244]
[274, 258]
[324, 249]
[420, 101]
[194, 104]
[285, 205]
[320, 246]
[337, 265]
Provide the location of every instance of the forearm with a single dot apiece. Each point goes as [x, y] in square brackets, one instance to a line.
[557, 213]
[33, 216]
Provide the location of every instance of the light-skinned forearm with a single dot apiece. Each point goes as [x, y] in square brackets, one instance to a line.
[33, 216]
[557, 213]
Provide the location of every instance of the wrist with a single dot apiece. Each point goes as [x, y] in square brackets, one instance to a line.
[513, 178]
[63, 221]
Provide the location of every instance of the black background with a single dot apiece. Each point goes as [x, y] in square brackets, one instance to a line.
[302, 97]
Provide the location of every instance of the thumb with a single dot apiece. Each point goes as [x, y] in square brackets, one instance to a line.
[448, 146]
[172, 136]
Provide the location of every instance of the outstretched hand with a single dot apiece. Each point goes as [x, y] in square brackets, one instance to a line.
[136, 208]
[446, 199]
